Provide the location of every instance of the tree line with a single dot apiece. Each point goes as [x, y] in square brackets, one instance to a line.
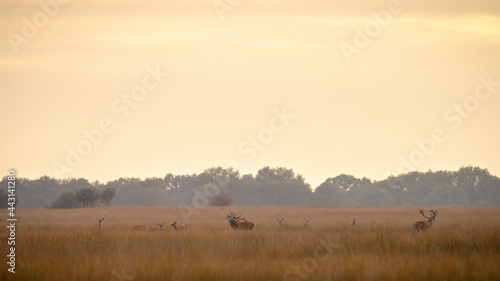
[270, 186]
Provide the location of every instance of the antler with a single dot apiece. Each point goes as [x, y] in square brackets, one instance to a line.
[236, 218]
[434, 213]
[422, 212]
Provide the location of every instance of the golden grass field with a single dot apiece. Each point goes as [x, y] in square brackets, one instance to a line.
[464, 244]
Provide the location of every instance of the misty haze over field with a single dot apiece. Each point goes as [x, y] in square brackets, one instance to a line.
[104, 90]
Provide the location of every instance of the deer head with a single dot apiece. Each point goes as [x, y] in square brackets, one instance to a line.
[100, 221]
[280, 221]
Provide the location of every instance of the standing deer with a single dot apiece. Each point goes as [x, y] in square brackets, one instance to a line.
[354, 221]
[182, 227]
[239, 223]
[100, 221]
[280, 221]
[424, 225]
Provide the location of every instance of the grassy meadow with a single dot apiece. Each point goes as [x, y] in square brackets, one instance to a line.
[464, 244]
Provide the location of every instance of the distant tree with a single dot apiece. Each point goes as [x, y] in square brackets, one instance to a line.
[345, 182]
[223, 198]
[67, 200]
[38, 192]
[172, 181]
[340, 190]
[247, 177]
[491, 190]
[106, 195]
[220, 174]
[375, 196]
[245, 191]
[3, 198]
[278, 173]
[474, 181]
[87, 196]
[329, 195]
[280, 186]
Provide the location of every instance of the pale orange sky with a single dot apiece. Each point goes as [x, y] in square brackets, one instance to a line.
[230, 72]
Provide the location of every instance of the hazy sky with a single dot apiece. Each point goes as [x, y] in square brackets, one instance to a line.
[112, 88]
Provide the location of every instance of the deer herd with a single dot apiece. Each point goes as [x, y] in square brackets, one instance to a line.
[241, 223]
[143, 227]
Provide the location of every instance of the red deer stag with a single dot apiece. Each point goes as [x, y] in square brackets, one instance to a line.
[239, 223]
[424, 225]
[182, 227]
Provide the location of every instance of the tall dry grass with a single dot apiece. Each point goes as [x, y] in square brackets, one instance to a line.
[464, 244]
